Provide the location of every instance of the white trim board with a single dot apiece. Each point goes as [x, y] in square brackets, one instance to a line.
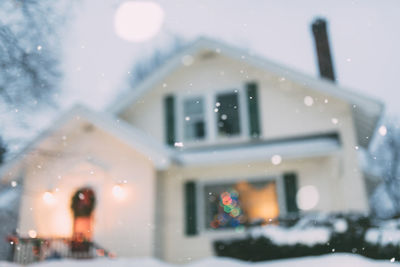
[263, 152]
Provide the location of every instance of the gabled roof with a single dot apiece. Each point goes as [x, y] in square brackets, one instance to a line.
[366, 110]
[128, 134]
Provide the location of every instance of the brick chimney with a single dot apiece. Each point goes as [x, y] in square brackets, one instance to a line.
[323, 49]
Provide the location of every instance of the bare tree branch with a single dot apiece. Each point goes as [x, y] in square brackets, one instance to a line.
[29, 50]
[387, 159]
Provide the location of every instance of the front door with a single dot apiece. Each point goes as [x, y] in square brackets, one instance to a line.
[83, 203]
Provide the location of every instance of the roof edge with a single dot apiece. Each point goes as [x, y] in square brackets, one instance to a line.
[318, 84]
[127, 133]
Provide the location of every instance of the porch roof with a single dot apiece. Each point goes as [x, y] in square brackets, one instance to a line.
[287, 148]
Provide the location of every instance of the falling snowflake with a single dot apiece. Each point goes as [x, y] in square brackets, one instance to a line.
[178, 144]
[308, 101]
[383, 130]
[276, 159]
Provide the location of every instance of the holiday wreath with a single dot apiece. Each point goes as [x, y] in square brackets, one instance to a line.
[83, 202]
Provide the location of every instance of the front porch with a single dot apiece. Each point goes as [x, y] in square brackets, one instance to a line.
[30, 250]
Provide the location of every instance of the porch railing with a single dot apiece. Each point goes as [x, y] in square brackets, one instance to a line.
[29, 250]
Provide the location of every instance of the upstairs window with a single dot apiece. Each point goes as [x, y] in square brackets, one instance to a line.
[227, 109]
[212, 116]
[194, 124]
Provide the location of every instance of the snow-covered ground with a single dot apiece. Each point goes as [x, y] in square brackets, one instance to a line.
[335, 260]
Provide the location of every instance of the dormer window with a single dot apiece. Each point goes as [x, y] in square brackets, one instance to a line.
[209, 117]
[194, 119]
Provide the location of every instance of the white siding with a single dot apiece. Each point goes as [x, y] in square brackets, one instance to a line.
[283, 113]
[73, 158]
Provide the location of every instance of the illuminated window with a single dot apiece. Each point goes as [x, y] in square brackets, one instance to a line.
[223, 207]
[236, 204]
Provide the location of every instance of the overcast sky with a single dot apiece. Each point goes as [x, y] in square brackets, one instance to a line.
[364, 39]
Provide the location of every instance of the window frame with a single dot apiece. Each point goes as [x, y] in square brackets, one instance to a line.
[183, 117]
[180, 119]
[243, 114]
[201, 208]
[211, 136]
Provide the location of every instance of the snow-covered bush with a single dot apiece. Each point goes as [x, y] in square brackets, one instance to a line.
[316, 234]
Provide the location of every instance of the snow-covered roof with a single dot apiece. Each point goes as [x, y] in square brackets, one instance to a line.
[283, 148]
[133, 137]
[366, 110]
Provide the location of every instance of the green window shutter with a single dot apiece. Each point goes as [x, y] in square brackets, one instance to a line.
[190, 208]
[252, 104]
[169, 111]
[290, 182]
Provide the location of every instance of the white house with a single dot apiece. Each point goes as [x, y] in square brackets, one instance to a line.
[212, 140]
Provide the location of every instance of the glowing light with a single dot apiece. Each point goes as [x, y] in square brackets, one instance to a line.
[235, 212]
[32, 233]
[138, 21]
[48, 198]
[14, 183]
[307, 197]
[276, 159]
[118, 192]
[334, 120]
[229, 213]
[383, 130]
[100, 252]
[308, 101]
